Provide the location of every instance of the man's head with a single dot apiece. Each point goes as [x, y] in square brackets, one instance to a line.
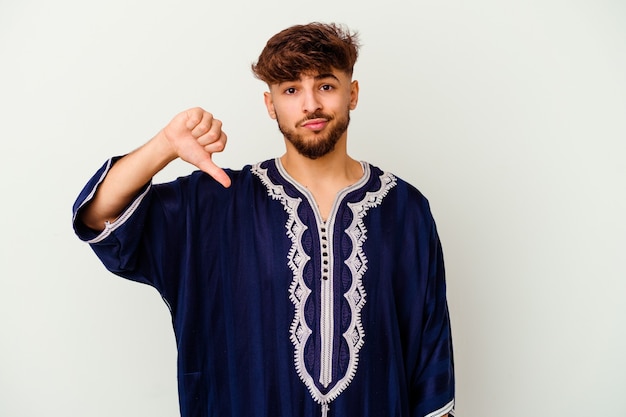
[301, 49]
[308, 69]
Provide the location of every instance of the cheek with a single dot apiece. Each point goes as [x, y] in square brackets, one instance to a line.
[285, 112]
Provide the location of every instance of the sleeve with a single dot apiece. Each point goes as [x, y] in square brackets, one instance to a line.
[142, 244]
[432, 382]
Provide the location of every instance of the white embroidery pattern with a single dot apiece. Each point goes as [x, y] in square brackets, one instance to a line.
[299, 292]
[297, 259]
[357, 263]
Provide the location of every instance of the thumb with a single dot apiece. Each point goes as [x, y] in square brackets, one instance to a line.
[207, 165]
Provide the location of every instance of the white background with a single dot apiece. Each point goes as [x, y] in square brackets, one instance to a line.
[509, 115]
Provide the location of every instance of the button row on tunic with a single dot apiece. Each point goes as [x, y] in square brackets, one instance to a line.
[325, 260]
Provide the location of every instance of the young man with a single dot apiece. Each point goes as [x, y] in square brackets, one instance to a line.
[307, 285]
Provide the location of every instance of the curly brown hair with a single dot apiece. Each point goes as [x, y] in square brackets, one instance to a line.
[315, 47]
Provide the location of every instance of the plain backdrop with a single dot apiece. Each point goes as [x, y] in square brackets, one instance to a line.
[509, 115]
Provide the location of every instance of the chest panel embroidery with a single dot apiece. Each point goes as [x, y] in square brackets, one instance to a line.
[325, 369]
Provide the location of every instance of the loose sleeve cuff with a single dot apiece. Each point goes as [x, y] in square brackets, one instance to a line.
[86, 195]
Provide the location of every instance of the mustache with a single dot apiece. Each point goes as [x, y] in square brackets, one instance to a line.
[316, 115]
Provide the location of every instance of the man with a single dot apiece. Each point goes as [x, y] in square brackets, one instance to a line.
[307, 285]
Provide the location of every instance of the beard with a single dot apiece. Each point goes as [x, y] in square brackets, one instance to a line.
[321, 145]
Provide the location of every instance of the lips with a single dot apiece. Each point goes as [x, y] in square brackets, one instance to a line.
[315, 124]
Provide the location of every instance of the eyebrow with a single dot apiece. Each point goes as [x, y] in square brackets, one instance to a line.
[327, 75]
[318, 77]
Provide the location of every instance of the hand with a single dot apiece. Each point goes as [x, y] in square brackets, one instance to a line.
[194, 136]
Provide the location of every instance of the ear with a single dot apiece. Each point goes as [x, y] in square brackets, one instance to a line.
[269, 104]
[354, 94]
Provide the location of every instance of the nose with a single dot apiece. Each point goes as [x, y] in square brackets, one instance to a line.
[311, 102]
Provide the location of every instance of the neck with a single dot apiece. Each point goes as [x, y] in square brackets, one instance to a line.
[333, 171]
[324, 177]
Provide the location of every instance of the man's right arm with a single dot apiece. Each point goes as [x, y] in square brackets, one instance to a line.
[193, 135]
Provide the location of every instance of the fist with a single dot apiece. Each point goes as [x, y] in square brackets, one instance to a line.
[194, 136]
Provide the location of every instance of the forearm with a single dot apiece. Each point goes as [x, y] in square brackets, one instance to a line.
[125, 179]
[193, 135]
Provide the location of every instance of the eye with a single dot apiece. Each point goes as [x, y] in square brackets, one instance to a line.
[290, 91]
[326, 87]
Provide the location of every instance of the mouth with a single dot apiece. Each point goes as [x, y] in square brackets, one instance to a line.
[315, 124]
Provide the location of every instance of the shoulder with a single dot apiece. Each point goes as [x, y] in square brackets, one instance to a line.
[405, 205]
[402, 191]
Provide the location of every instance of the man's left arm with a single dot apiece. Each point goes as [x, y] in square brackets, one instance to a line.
[432, 386]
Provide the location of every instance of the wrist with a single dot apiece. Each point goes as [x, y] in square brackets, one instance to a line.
[163, 151]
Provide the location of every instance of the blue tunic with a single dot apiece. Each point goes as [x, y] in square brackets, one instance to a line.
[278, 312]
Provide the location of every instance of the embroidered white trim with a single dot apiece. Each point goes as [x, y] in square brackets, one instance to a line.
[356, 262]
[297, 259]
[326, 296]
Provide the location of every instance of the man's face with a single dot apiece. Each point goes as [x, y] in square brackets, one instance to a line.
[313, 112]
